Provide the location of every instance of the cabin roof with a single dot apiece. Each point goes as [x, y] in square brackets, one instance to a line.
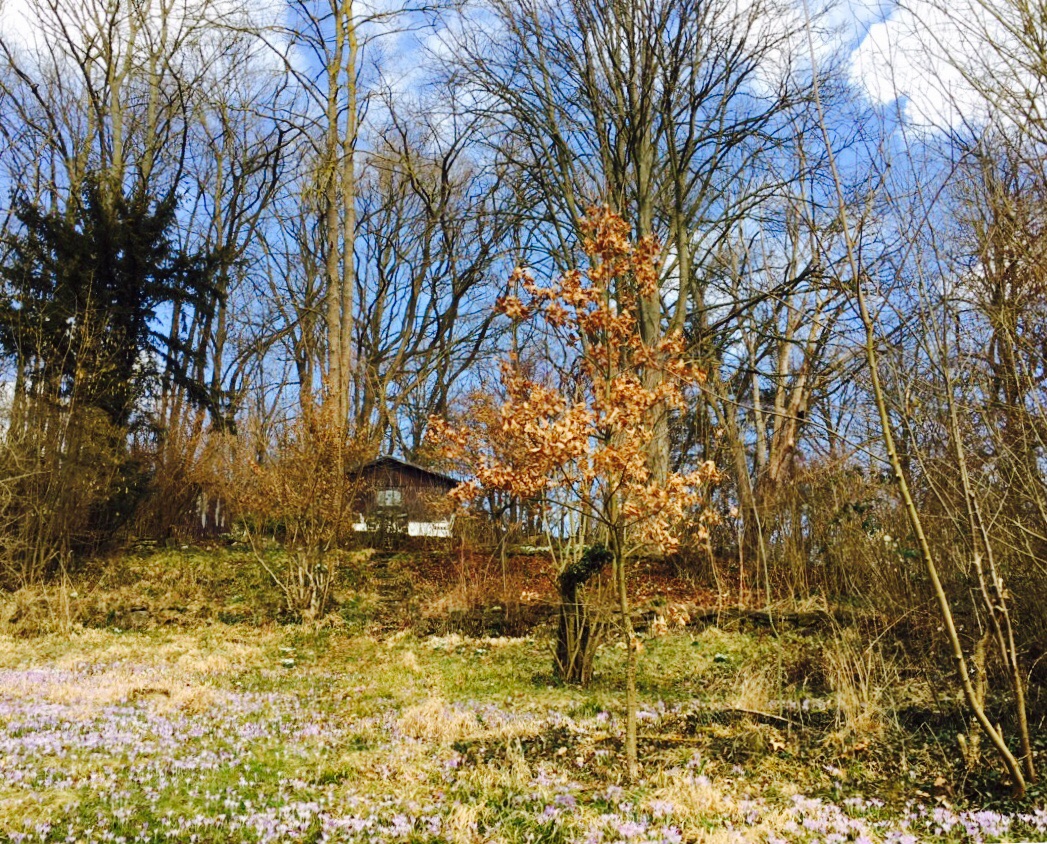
[390, 462]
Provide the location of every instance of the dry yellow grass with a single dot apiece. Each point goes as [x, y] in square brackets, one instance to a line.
[691, 799]
[863, 681]
[463, 824]
[435, 720]
[695, 800]
[175, 671]
[203, 650]
[409, 660]
[755, 690]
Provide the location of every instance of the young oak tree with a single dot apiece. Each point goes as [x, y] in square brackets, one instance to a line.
[587, 439]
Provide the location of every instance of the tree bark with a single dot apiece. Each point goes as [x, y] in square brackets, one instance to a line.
[576, 637]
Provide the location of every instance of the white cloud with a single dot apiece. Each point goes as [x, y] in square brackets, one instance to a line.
[942, 61]
[56, 35]
[853, 19]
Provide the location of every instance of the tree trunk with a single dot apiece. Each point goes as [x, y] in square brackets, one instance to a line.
[631, 761]
[577, 637]
[339, 210]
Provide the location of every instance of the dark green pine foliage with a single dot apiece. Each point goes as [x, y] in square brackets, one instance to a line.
[82, 291]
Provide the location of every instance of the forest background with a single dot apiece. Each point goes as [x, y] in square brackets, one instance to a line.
[245, 248]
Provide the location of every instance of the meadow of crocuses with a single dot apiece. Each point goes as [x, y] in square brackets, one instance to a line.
[280, 735]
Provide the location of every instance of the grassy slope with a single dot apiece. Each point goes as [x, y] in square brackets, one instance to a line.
[236, 733]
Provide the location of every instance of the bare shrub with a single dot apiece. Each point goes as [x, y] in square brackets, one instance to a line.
[66, 486]
[184, 499]
[300, 497]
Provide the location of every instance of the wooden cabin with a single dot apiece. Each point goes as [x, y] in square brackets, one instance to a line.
[398, 497]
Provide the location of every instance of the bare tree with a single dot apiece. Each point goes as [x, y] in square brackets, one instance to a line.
[432, 237]
[666, 110]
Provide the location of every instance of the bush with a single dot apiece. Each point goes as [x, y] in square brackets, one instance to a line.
[68, 486]
[302, 497]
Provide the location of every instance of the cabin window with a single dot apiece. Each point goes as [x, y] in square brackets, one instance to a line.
[389, 498]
